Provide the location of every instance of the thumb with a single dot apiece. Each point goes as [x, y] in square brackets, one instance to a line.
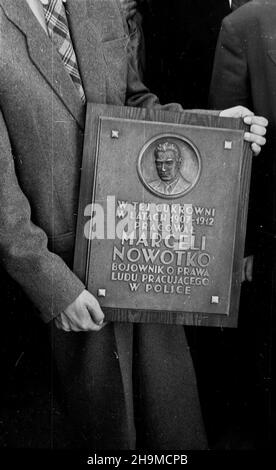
[95, 310]
[236, 112]
[249, 269]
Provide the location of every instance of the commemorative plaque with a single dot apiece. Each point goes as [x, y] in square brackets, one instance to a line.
[162, 215]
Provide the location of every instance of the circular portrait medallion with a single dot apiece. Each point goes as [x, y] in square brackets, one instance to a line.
[169, 166]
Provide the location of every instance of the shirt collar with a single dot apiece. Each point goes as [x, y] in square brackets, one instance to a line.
[168, 187]
[172, 185]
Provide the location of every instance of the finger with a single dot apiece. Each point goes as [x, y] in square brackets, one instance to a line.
[85, 322]
[132, 12]
[95, 311]
[243, 269]
[236, 112]
[259, 120]
[242, 111]
[92, 325]
[65, 322]
[130, 15]
[62, 323]
[256, 149]
[129, 6]
[78, 323]
[258, 130]
[249, 269]
[85, 327]
[248, 273]
[243, 275]
[57, 323]
[254, 138]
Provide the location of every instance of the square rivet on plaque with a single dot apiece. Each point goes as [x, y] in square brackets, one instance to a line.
[114, 134]
[101, 292]
[228, 145]
[215, 299]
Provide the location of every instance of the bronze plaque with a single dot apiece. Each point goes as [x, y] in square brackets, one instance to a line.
[162, 215]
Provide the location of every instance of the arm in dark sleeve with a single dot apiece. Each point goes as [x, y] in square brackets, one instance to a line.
[44, 276]
[137, 36]
[138, 95]
[230, 84]
[230, 87]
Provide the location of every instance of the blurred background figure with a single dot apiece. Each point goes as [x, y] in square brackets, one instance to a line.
[180, 40]
[175, 51]
[245, 73]
[129, 8]
[180, 43]
[134, 21]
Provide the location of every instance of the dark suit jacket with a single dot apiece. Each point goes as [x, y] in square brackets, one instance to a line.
[245, 73]
[180, 37]
[41, 138]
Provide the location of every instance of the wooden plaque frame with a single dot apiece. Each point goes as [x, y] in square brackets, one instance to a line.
[204, 135]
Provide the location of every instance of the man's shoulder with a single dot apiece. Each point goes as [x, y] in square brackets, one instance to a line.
[183, 182]
[251, 15]
[155, 183]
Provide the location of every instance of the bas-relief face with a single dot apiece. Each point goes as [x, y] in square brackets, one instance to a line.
[176, 161]
[167, 165]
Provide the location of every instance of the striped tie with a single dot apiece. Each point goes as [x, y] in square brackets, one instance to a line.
[56, 21]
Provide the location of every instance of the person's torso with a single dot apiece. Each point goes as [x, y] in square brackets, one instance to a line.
[41, 105]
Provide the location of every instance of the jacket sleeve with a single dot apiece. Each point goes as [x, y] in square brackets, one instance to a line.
[44, 276]
[138, 95]
[229, 84]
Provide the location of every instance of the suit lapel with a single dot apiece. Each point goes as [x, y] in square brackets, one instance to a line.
[86, 39]
[44, 56]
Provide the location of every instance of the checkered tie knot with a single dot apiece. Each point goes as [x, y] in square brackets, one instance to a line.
[56, 21]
